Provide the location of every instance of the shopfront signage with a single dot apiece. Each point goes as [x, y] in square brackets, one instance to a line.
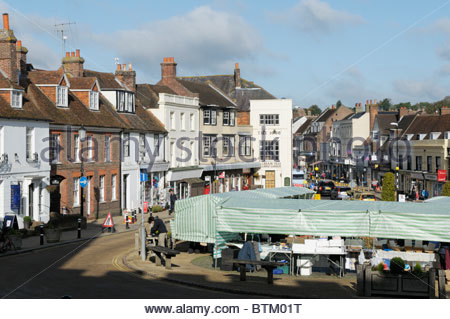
[271, 164]
[430, 177]
[15, 198]
[442, 175]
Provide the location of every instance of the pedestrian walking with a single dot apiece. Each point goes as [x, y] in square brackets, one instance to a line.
[172, 199]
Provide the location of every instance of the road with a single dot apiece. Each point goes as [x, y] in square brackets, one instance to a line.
[88, 271]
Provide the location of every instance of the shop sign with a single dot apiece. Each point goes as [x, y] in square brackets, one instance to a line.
[271, 164]
[430, 177]
[441, 175]
[246, 170]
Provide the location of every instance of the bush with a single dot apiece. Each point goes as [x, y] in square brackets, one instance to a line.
[157, 209]
[380, 268]
[446, 189]
[388, 190]
[27, 220]
[418, 271]
[397, 266]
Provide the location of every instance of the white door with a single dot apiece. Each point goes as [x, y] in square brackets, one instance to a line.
[88, 195]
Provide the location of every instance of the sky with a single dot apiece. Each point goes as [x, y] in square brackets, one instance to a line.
[312, 51]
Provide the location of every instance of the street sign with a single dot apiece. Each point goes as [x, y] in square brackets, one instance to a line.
[108, 221]
[145, 207]
[144, 177]
[442, 175]
[83, 181]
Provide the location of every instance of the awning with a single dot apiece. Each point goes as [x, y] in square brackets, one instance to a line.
[174, 175]
[193, 181]
[230, 166]
[155, 167]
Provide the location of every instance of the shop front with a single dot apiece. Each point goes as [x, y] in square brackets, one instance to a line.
[155, 192]
[182, 179]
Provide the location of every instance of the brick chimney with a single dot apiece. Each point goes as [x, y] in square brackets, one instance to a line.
[127, 76]
[8, 55]
[21, 54]
[333, 107]
[358, 108]
[237, 76]
[402, 111]
[168, 68]
[373, 109]
[445, 110]
[72, 63]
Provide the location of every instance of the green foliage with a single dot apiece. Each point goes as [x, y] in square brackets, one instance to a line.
[446, 189]
[314, 109]
[338, 103]
[397, 266]
[380, 268]
[27, 220]
[156, 209]
[388, 189]
[417, 270]
[385, 104]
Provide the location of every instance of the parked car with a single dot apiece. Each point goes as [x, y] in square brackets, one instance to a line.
[367, 197]
[324, 188]
[340, 193]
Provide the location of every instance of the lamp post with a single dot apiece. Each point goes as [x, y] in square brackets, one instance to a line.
[397, 160]
[316, 169]
[82, 134]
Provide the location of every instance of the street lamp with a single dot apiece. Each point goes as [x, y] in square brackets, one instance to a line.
[82, 134]
[397, 159]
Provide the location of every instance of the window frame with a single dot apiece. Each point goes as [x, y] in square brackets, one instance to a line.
[269, 150]
[207, 116]
[419, 167]
[438, 163]
[76, 148]
[107, 149]
[226, 117]
[126, 144]
[94, 101]
[62, 96]
[113, 187]
[55, 148]
[156, 145]
[29, 143]
[429, 163]
[76, 191]
[101, 188]
[183, 121]
[245, 145]
[212, 145]
[16, 99]
[141, 145]
[230, 145]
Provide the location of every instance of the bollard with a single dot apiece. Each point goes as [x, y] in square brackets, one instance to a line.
[126, 222]
[41, 234]
[79, 227]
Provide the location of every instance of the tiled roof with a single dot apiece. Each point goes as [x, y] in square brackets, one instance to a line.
[29, 110]
[208, 95]
[325, 115]
[106, 80]
[384, 122]
[45, 77]
[425, 124]
[5, 83]
[82, 83]
[148, 95]
[241, 96]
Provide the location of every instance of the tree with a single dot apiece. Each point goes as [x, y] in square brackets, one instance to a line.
[385, 104]
[338, 103]
[403, 104]
[446, 189]
[388, 190]
[315, 110]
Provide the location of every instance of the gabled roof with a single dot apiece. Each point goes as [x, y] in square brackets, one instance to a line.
[208, 94]
[384, 121]
[106, 80]
[6, 83]
[304, 127]
[82, 83]
[148, 94]
[41, 77]
[406, 121]
[325, 115]
[242, 96]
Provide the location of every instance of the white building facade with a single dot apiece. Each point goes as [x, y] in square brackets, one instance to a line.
[180, 116]
[272, 131]
[24, 170]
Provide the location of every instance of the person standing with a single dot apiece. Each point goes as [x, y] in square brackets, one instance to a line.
[158, 228]
[172, 199]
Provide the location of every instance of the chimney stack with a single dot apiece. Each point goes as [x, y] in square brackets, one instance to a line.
[73, 64]
[21, 56]
[333, 107]
[445, 110]
[237, 76]
[126, 76]
[358, 108]
[373, 109]
[168, 68]
[8, 51]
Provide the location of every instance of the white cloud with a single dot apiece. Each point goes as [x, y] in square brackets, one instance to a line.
[444, 52]
[416, 90]
[315, 16]
[202, 40]
[442, 25]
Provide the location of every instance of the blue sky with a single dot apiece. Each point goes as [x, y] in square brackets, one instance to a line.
[313, 51]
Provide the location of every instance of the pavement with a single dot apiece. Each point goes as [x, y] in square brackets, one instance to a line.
[94, 229]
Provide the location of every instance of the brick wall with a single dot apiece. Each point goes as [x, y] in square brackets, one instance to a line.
[8, 59]
[50, 92]
[243, 118]
[71, 170]
[6, 95]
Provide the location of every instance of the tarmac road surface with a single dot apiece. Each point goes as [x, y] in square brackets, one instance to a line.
[87, 270]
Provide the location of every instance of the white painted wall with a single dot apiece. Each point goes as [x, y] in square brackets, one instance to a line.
[283, 132]
[19, 170]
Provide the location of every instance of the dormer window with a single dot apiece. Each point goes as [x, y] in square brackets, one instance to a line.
[61, 96]
[16, 99]
[125, 102]
[434, 135]
[93, 100]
